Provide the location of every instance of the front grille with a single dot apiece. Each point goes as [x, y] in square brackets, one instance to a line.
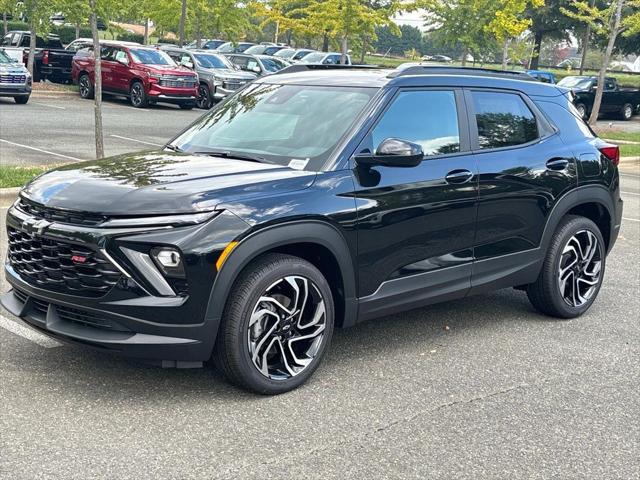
[235, 85]
[58, 215]
[177, 82]
[8, 78]
[48, 264]
[70, 314]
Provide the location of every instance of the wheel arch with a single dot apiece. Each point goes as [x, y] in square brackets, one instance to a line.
[591, 201]
[318, 242]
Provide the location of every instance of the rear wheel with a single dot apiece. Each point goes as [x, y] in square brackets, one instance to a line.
[573, 270]
[85, 85]
[21, 100]
[137, 95]
[626, 112]
[582, 110]
[277, 325]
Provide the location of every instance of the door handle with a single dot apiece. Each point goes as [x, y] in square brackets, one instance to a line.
[557, 164]
[458, 176]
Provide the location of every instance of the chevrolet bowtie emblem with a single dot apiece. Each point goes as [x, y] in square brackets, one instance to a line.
[37, 226]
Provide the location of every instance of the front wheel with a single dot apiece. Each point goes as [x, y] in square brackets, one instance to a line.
[21, 100]
[573, 270]
[137, 95]
[582, 110]
[204, 100]
[277, 325]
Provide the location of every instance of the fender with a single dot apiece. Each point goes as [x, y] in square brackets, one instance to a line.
[250, 247]
[579, 196]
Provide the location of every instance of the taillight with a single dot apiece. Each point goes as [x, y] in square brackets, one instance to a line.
[45, 57]
[612, 152]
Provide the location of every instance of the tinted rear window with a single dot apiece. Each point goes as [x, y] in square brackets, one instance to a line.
[503, 120]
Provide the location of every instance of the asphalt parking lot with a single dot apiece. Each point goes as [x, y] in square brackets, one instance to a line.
[479, 388]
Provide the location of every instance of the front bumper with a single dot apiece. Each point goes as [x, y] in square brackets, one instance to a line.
[173, 95]
[130, 319]
[15, 90]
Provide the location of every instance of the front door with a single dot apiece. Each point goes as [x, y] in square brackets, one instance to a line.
[416, 226]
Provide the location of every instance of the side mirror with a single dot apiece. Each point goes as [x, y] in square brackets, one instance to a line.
[186, 63]
[393, 152]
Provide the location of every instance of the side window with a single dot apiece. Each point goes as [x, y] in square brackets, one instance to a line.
[121, 56]
[426, 117]
[107, 53]
[609, 84]
[503, 120]
[8, 40]
[26, 41]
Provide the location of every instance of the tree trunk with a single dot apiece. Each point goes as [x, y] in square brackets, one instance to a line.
[97, 90]
[344, 46]
[615, 30]
[535, 56]
[325, 42]
[364, 49]
[5, 22]
[146, 31]
[465, 52]
[183, 19]
[277, 32]
[32, 40]
[585, 41]
[77, 30]
[505, 54]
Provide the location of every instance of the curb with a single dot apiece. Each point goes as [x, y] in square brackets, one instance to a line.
[9, 193]
[629, 159]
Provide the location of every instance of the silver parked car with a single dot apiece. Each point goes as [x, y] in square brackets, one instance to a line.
[15, 79]
[218, 77]
[261, 65]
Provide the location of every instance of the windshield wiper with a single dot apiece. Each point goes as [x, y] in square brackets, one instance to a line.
[173, 148]
[233, 155]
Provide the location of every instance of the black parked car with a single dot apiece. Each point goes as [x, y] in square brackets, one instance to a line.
[624, 103]
[314, 200]
[51, 60]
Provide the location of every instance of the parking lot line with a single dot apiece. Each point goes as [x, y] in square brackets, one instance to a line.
[50, 106]
[40, 150]
[136, 140]
[630, 219]
[630, 193]
[27, 333]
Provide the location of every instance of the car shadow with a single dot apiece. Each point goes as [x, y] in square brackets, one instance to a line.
[88, 371]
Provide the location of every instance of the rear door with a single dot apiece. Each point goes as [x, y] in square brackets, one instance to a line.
[107, 64]
[416, 226]
[524, 168]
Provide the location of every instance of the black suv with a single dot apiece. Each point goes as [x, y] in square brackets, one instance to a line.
[313, 200]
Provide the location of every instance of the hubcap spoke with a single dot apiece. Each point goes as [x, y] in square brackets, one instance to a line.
[580, 267]
[287, 327]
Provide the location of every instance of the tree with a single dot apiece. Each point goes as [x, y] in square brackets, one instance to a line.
[183, 20]
[97, 89]
[509, 22]
[619, 16]
[38, 13]
[548, 22]
[7, 7]
[461, 22]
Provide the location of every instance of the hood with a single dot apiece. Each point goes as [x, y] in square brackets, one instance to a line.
[13, 68]
[230, 73]
[160, 182]
[168, 70]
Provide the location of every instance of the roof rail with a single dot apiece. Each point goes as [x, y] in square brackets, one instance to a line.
[445, 70]
[305, 67]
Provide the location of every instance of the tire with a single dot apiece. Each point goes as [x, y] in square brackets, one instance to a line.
[581, 282]
[582, 110]
[204, 100]
[626, 112]
[137, 95]
[272, 277]
[85, 86]
[186, 106]
[21, 100]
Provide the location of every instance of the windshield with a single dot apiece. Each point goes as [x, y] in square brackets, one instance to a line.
[286, 53]
[575, 82]
[303, 54]
[272, 64]
[4, 58]
[212, 61]
[280, 123]
[314, 57]
[150, 57]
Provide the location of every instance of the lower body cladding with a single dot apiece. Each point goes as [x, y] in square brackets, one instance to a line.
[108, 303]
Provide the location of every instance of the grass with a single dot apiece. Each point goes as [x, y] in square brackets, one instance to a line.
[630, 150]
[18, 176]
[618, 135]
[624, 79]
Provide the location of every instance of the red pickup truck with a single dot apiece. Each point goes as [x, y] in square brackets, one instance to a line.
[145, 75]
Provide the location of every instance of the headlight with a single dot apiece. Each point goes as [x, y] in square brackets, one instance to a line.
[161, 220]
